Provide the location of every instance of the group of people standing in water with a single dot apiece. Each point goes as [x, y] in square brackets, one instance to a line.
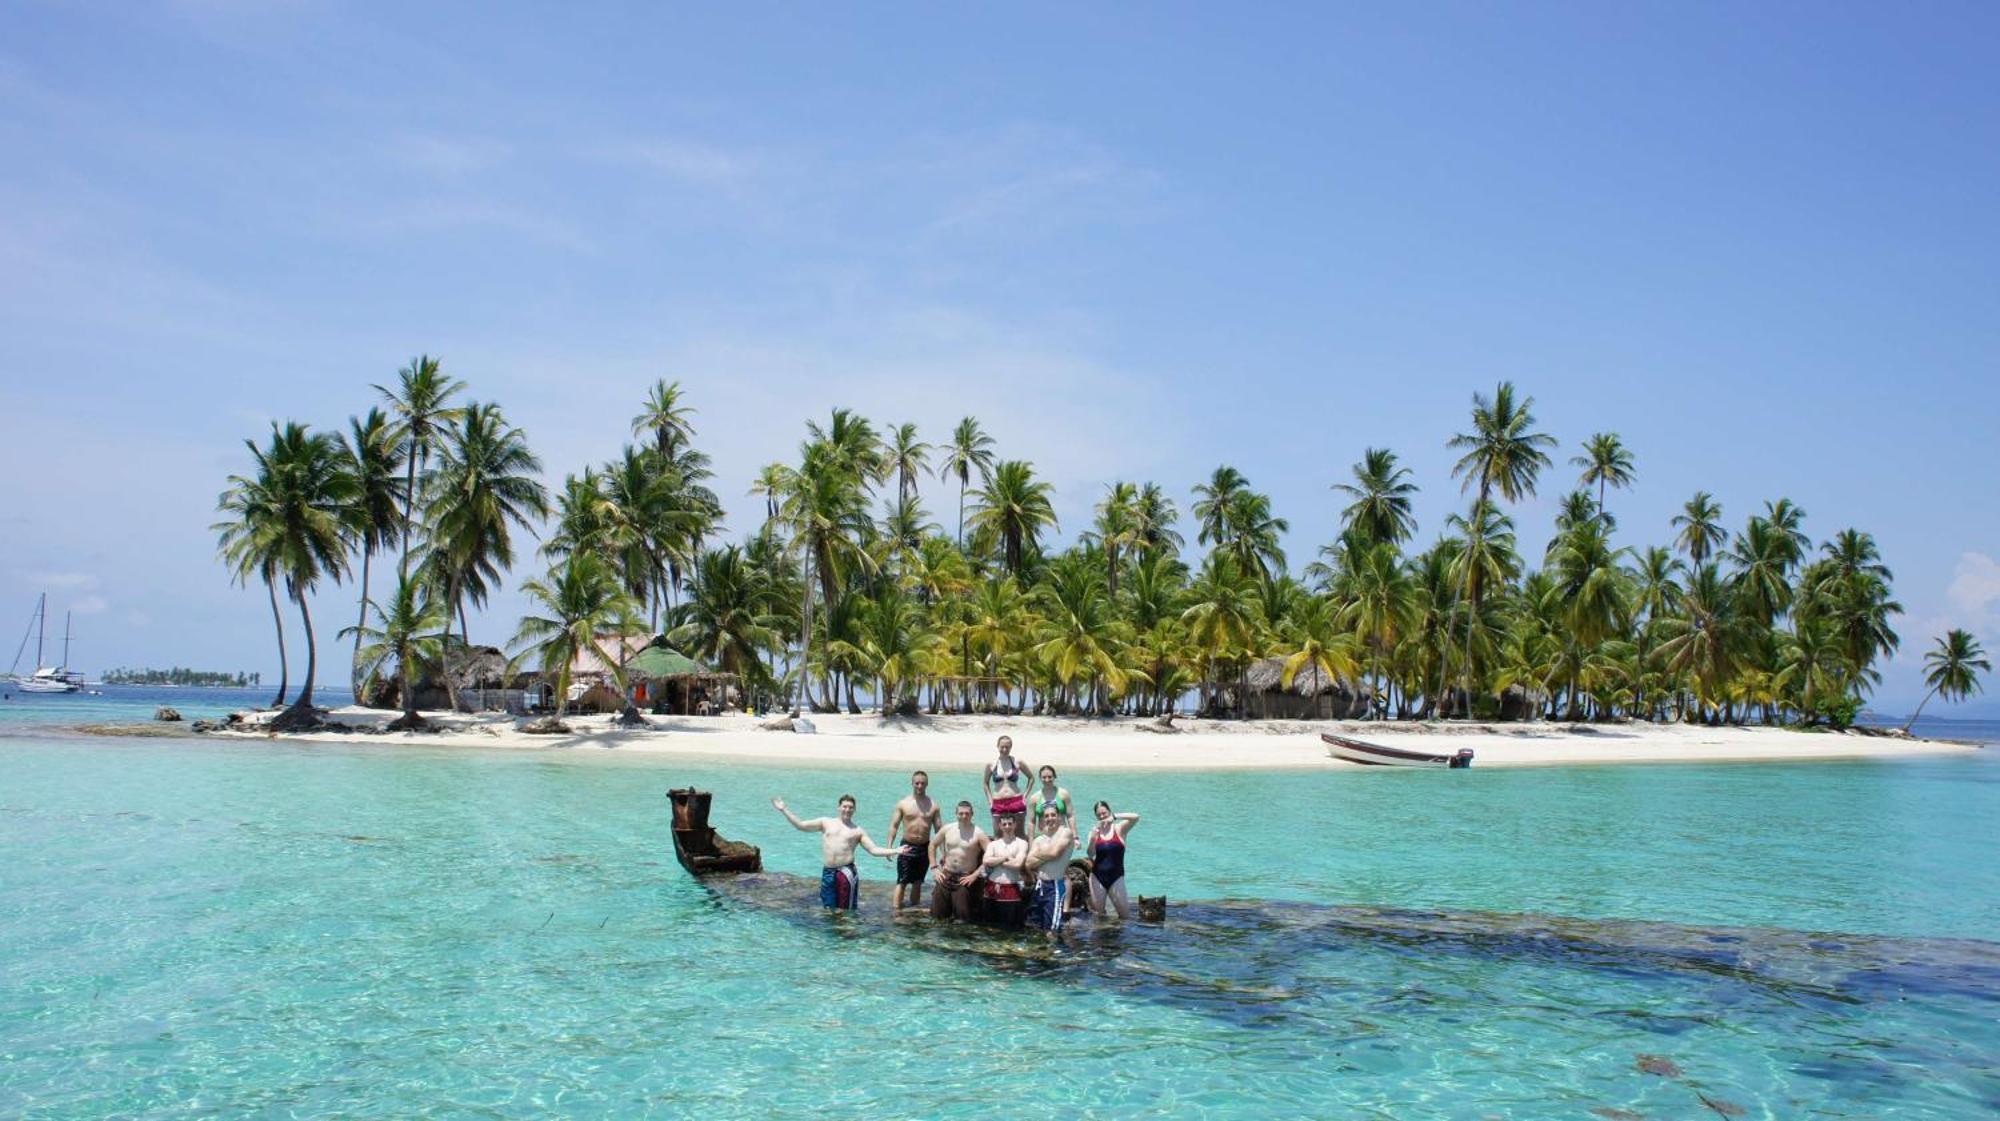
[1014, 875]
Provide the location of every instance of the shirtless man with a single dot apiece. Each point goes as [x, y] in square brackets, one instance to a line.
[1007, 781]
[917, 817]
[1006, 866]
[1048, 859]
[839, 881]
[959, 850]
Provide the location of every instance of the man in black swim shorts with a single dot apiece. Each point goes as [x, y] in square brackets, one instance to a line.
[917, 817]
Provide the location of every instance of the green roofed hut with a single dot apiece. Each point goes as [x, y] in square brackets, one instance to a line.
[670, 683]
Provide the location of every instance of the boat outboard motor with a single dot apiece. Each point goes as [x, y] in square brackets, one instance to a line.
[1462, 760]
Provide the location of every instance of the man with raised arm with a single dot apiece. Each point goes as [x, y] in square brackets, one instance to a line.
[916, 817]
[839, 881]
[959, 850]
[1005, 863]
[1048, 861]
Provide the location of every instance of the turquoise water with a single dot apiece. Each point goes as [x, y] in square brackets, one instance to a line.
[268, 929]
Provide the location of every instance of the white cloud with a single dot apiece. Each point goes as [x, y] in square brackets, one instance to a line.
[1975, 584]
[90, 605]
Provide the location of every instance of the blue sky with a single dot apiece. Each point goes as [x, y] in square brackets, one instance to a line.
[1137, 242]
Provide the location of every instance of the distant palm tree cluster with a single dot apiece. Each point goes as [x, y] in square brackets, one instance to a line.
[848, 589]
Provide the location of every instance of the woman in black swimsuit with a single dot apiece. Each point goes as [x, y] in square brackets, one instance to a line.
[1107, 861]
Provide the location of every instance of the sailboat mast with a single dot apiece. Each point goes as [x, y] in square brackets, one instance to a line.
[41, 625]
[65, 664]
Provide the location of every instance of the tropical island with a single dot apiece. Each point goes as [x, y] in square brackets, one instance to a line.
[180, 675]
[850, 595]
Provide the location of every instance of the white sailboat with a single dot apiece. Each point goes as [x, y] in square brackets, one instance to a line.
[46, 679]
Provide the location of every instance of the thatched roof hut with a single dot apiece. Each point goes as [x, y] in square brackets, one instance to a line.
[1312, 695]
[475, 671]
[670, 682]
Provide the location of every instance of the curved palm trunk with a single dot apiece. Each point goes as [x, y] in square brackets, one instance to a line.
[1920, 709]
[305, 701]
[354, 670]
[406, 694]
[409, 499]
[450, 685]
[464, 634]
[1465, 666]
[806, 636]
[284, 667]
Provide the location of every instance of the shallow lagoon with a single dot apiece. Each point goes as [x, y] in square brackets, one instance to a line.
[381, 931]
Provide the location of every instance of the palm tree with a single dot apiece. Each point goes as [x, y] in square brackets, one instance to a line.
[850, 443]
[1381, 605]
[1253, 534]
[579, 516]
[731, 614]
[1788, 522]
[826, 508]
[410, 634]
[419, 403]
[772, 482]
[1576, 508]
[485, 485]
[894, 642]
[1503, 452]
[1588, 592]
[970, 450]
[247, 541]
[1485, 559]
[1153, 519]
[1381, 507]
[1314, 639]
[1952, 670]
[374, 455]
[1221, 616]
[645, 520]
[581, 605]
[1214, 500]
[1707, 640]
[997, 623]
[1762, 557]
[1117, 528]
[1700, 523]
[1810, 667]
[907, 457]
[1848, 589]
[308, 532]
[1081, 633]
[1016, 507]
[1606, 463]
[666, 419]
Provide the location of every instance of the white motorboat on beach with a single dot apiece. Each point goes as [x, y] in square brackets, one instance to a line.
[45, 679]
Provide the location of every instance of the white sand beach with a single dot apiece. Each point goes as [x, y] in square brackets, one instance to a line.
[1124, 744]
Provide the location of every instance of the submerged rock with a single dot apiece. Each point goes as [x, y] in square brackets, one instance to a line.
[167, 714]
[1657, 1064]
